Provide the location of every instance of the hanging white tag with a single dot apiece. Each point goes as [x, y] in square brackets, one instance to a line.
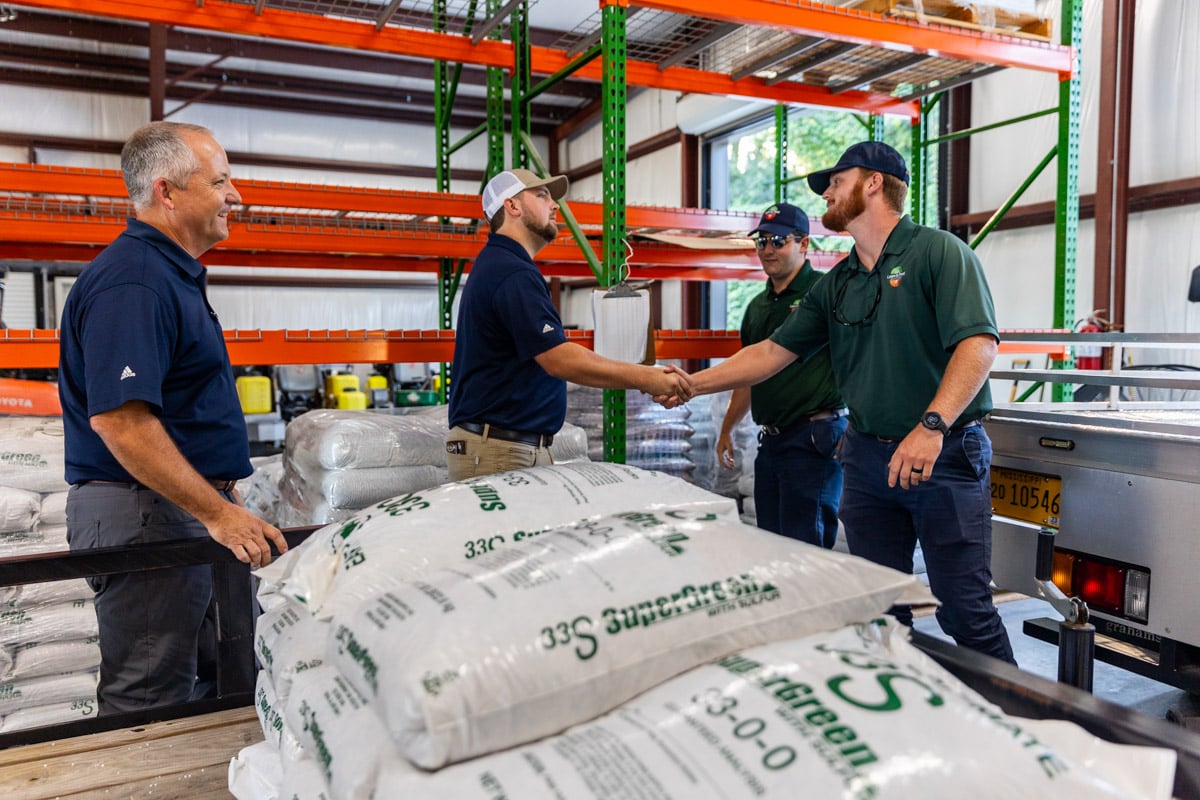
[622, 322]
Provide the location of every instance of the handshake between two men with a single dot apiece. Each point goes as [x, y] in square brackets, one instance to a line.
[669, 386]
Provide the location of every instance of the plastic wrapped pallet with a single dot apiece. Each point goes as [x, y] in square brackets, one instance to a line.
[340, 462]
[656, 438]
[523, 642]
[260, 492]
[38, 659]
[24, 694]
[854, 713]
[37, 594]
[469, 518]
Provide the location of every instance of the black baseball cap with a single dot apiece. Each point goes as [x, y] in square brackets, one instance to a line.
[782, 219]
[873, 156]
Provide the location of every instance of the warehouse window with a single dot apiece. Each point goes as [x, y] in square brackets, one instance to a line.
[740, 176]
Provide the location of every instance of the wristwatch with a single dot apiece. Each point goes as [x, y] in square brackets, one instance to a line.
[933, 420]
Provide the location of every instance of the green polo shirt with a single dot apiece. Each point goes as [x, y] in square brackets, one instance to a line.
[803, 387]
[932, 294]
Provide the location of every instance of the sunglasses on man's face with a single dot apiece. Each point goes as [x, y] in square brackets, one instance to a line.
[777, 242]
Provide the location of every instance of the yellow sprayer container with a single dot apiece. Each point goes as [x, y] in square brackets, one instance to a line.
[377, 382]
[352, 400]
[254, 393]
[335, 385]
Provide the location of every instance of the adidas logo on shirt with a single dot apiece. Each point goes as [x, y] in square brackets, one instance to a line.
[547, 328]
[128, 373]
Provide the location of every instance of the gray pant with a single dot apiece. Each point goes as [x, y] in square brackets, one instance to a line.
[157, 628]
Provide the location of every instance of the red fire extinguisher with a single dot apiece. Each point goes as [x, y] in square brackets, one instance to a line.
[1089, 356]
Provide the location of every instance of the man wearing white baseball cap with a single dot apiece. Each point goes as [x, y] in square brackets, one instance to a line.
[508, 392]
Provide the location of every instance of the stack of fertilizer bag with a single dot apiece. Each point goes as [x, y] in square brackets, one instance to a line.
[49, 651]
[656, 438]
[260, 492]
[521, 636]
[339, 462]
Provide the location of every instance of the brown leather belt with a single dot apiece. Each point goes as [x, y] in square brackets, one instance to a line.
[219, 484]
[816, 416]
[521, 437]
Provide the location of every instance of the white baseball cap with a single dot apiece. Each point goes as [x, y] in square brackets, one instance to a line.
[512, 182]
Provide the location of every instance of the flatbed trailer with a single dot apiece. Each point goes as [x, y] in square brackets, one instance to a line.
[1119, 482]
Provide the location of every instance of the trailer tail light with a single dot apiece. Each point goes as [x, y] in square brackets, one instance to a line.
[1062, 570]
[1100, 585]
[1121, 589]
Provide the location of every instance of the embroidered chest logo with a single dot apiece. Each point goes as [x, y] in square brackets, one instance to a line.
[895, 276]
[795, 304]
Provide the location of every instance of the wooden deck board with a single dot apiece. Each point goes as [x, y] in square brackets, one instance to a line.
[184, 758]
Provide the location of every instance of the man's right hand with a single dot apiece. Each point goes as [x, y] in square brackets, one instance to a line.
[669, 382]
[248, 537]
[725, 451]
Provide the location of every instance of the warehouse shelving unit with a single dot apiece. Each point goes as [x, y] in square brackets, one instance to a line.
[872, 56]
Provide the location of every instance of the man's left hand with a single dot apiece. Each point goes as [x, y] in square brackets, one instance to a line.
[913, 461]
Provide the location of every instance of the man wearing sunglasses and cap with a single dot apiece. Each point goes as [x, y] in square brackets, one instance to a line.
[508, 391]
[797, 480]
[911, 329]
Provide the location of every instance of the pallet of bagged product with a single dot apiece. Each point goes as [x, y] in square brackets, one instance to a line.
[186, 757]
[976, 16]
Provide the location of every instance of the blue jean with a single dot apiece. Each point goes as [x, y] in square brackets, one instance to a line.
[798, 481]
[950, 515]
[157, 628]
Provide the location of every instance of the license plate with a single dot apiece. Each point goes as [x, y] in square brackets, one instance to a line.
[1027, 496]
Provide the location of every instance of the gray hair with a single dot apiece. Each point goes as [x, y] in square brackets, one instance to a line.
[158, 150]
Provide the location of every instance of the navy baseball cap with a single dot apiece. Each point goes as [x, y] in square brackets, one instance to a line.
[782, 219]
[873, 156]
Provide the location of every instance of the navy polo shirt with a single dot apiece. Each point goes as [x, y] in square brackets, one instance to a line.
[137, 326]
[505, 319]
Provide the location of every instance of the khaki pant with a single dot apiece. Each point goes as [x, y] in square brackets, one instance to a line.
[469, 455]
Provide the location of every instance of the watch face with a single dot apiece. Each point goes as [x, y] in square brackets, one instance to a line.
[933, 421]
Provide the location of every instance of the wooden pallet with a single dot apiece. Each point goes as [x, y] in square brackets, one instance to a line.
[971, 15]
[182, 758]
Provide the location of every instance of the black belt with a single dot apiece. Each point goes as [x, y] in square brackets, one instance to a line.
[220, 484]
[521, 437]
[955, 429]
[816, 416]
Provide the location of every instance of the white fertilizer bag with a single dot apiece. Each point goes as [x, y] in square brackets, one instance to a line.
[288, 640]
[523, 642]
[54, 509]
[460, 521]
[840, 714]
[58, 622]
[36, 594]
[339, 727]
[270, 716]
[35, 659]
[328, 439]
[19, 509]
[15, 695]
[255, 773]
[304, 781]
[53, 714]
[31, 454]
